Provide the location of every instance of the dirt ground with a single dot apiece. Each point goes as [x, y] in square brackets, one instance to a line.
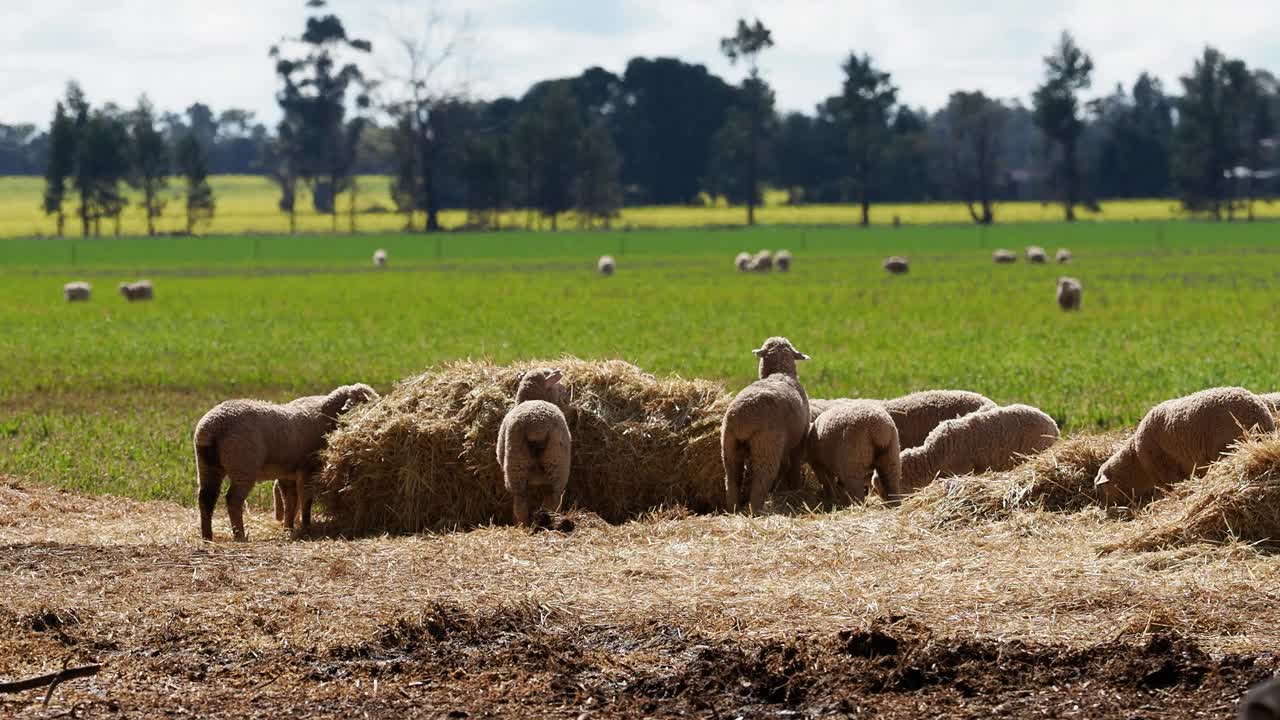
[863, 613]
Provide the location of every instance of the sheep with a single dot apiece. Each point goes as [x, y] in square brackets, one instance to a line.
[77, 291]
[917, 414]
[534, 443]
[1003, 256]
[743, 261]
[766, 423]
[1178, 438]
[761, 261]
[605, 265]
[849, 441]
[1273, 402]
[140, 290]
[1069, 292]
[896, 264]
[783, 260]
[251, 440]
[1063, 255]
[1036, 254]
[1262, 702]
[379, 258]
[995, 439]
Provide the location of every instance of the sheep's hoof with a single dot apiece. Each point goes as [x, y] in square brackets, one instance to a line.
[543, 521]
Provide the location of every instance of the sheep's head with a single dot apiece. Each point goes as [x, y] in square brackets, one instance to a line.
[1115, 474]
[347, 398]
[778, 355]
[540, 384]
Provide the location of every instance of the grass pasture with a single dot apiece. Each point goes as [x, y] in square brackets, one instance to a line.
[864, 612]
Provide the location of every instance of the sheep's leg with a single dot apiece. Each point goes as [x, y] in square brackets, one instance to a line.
[828, 482]
[210, 482]
[766, 460]
[733, 462]
[236, 496]
[300, 492]
[558, 473]
[521, 507]
[794, 479]
[889, 468]
[277, 501]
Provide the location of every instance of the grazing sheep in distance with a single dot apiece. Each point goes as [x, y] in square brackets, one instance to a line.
[534, 444]
[762, 261]
[1069, 293]
[896, 264]
[1004, 256]
[251, 440]
[1036, 254]
[1178, 438]
[140, 290]
[849, 442]
[917, 414]
[766, 424]
[605, 265]
[1063, 255]
[380, 258]
[743, 261]
[77, 291]
[783, 260]
[996, 439]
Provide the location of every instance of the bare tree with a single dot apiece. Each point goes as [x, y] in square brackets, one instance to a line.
[412, 90]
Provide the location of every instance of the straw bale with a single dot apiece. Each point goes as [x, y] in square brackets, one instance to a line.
[1237, 500]
[423, 457]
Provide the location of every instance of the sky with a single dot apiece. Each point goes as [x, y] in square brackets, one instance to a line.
[215, 51]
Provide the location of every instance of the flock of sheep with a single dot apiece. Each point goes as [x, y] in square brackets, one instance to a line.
[79, 291]
[770, 430]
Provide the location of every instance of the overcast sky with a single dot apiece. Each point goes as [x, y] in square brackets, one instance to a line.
[215, 51]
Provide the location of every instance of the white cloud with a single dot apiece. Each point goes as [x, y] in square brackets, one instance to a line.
[183, 51]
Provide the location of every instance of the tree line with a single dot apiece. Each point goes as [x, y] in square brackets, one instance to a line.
[668, 132]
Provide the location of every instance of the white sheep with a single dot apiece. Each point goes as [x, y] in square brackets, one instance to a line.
[761, 261]
[140, 290]
[850, 441]
[996, 439]
[1178, 438]
[77, 291]
[1063, 255]
[742, 261]
[1004, 256]
[1069, 293]
[766, 424]
[1036, 254]
[917, 414]
[1273, 401]
[534, 445]
[895, 264]
[1262, 702]
[782, 259]
[605, 265]
[379, 258]
[251, 440]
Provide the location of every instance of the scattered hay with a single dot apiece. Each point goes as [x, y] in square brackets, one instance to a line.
[1059, 479]
[423, 457]
[1238, 499]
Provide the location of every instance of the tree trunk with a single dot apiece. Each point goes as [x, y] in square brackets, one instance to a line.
[149, 200]
[1072, 178]
[61, 222]
[751, 159]
[351, 208]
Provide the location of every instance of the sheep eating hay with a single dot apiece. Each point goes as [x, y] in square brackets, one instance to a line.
[1178, 438]
[422, 457]
[997, 439]
[847, 443]
[533, 445]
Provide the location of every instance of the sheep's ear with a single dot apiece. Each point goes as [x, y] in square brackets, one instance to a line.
[346, 406]
[555, 376]
[799, 355]
[758, 352]
[1101, 479]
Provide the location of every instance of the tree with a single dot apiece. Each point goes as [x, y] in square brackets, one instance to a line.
[865, 105]
[61, 163]
[1057, 113]
[596, 191]
[483, 179]
[558, 131]
[104, 163]
[1137, 128]
[150, 162]
[314, 101]
[975, 123]
[193, 165]
[82, 177]
[747, 44]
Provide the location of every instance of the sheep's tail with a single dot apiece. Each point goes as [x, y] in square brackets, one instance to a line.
[277, 500]
[537, 436]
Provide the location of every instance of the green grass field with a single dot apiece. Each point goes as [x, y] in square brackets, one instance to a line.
[103, 396]
[247, 205]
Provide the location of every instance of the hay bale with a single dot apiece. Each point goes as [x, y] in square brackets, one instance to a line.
[1059, 479]
[423, 457]
[1238, 499]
